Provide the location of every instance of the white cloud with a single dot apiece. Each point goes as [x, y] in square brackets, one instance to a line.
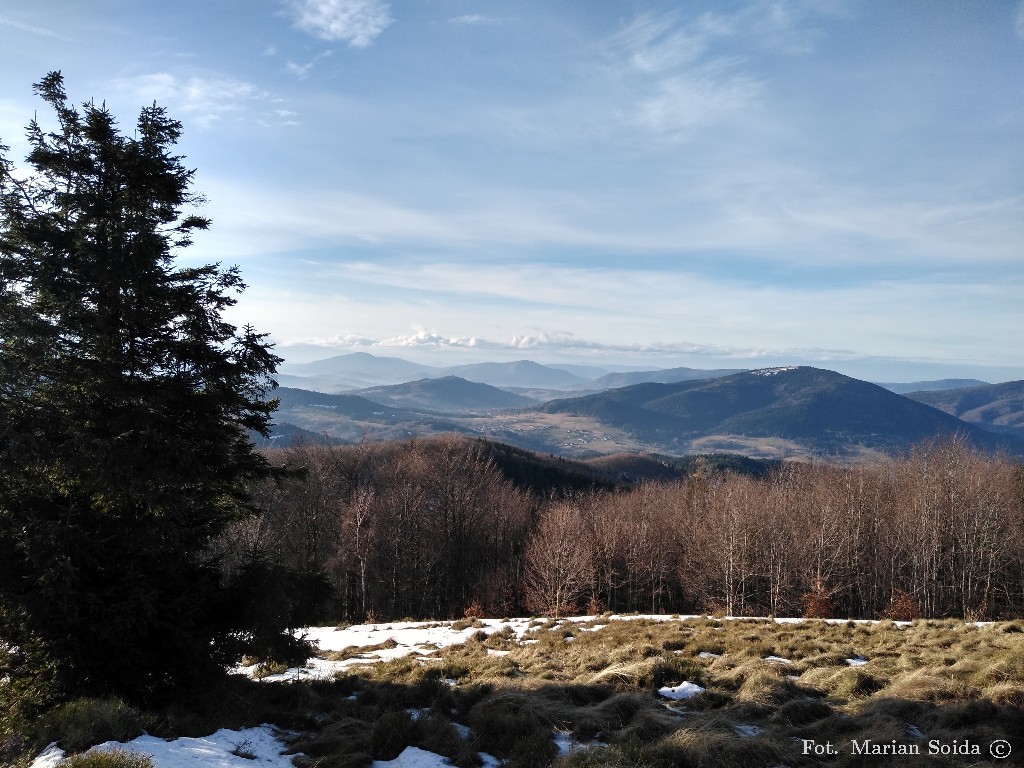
[202, 99]
[475, 19]
[357, 22]
[548, 341]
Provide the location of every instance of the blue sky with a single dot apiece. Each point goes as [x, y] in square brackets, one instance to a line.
[648, 183]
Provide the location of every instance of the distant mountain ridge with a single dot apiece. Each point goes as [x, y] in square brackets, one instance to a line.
[663, 376]
[932, 386]
[789, 411]
[448, 394]
[809, 405]
[996, 407]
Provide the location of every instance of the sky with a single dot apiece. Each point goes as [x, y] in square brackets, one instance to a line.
[837, 183]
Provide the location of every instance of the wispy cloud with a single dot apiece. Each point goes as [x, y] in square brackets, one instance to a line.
[689, 73]
[476, 19]
[301, 71]
[32, 29]
[357, 22]
[204, 100]
[680, 105]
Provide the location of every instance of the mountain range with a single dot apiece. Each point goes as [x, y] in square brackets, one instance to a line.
[360, 370]
[821, 410]
[786, 412]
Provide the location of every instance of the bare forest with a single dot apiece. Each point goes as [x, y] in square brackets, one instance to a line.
[433, 529]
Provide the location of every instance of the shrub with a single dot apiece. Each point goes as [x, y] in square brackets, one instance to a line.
[902, 607]
[818, 604]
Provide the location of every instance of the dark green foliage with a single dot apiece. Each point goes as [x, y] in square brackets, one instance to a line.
[125, 401]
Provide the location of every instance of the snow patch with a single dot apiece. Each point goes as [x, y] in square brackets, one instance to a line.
[414, 757]
[262, 744]
[681, 691]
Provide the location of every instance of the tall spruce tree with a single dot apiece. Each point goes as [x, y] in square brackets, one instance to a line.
[125, 402]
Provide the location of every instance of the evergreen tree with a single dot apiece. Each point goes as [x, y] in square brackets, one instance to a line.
[125, 404]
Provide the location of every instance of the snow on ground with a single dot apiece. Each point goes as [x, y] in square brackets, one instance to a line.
[423, 638]
[259, 746]
[681, 691]
[414, 757]
[406, 638]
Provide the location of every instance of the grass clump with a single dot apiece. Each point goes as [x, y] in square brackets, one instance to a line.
[467, 623]
[82, 723]
[391, 733]
[114, 758]
[352, 651]
[267, 668]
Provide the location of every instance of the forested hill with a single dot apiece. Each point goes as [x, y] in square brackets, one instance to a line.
[448, 394]
[996, 407]
[820, 408]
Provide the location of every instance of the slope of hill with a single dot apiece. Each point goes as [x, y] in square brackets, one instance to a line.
[448, 394]
[824, 410]
[664, 376]
[521, 373]
[996, 407]
[363, 366]
[932, 386]
[352, 418]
